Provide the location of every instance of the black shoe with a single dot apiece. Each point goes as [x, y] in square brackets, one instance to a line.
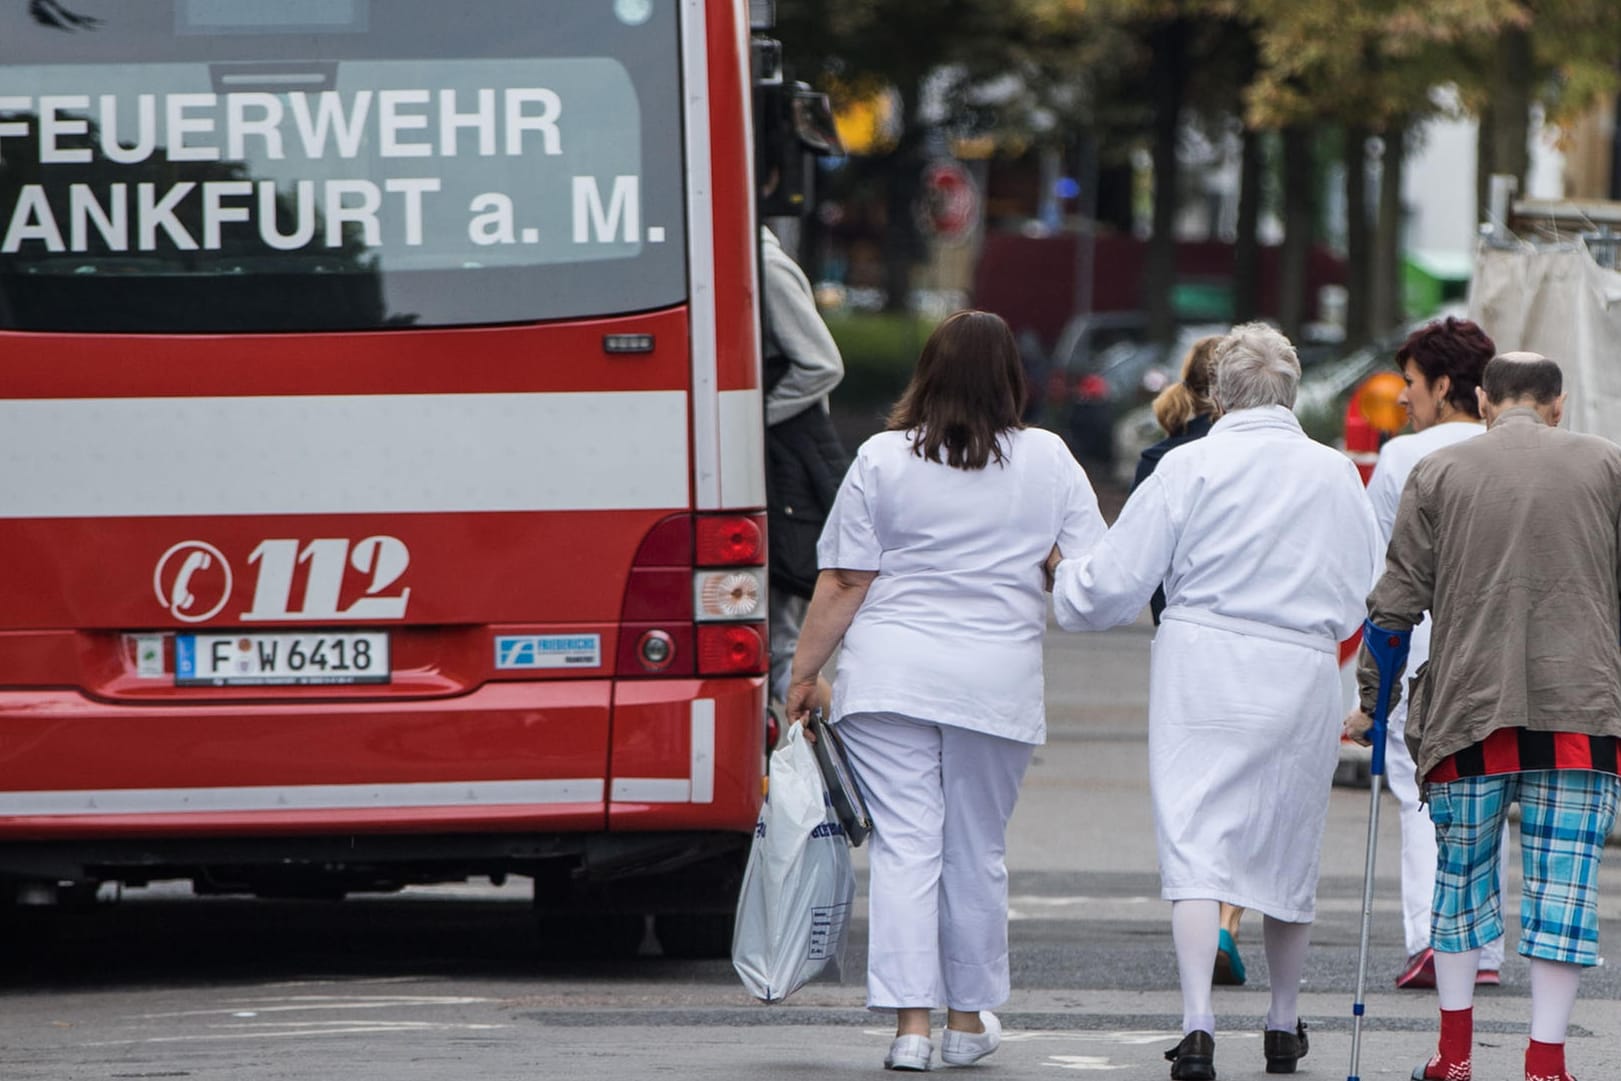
[1194, 1059]
[1284, 1049]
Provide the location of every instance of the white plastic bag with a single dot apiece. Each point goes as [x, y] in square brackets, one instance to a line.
[798, 885]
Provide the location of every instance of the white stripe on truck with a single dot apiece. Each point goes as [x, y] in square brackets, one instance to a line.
[306, 797]
[701, 291]
[699, 787]
[343, 454]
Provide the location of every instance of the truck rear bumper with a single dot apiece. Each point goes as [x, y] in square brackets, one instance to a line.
[549, 757]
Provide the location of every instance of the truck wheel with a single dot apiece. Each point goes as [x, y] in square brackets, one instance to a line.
[598, 936]
[696, 935]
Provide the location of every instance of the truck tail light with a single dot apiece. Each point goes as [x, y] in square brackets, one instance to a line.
[730, 540]
[695, 600]
[737, 593]
[655, 619]
[731, 649]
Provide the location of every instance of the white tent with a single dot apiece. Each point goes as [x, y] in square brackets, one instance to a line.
[1557, 301]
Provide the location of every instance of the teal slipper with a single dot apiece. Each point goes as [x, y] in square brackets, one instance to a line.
[1229, 966]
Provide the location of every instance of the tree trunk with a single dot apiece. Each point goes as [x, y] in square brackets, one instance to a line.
[1246, 245]
[1358, 256]
[1167, 77]
[1298, 219]
[1483, 164]
[811, 243]
[1615, 150]
[1387, 260]
[903, 247]
[1511, 105]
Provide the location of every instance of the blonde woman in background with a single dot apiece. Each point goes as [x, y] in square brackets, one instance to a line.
[1186, 412]
[1184, 409]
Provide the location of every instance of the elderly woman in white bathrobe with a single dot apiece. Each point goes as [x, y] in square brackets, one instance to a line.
[1264, 540]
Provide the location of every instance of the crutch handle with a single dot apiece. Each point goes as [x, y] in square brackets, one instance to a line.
[1389, 652]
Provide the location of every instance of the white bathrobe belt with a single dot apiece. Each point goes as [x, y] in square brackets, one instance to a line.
[1251, 627]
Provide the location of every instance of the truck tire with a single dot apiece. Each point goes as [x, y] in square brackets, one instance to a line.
[571, 936]
[696, 935]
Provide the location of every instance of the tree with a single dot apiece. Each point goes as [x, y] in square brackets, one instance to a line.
[1246, 247]
[1563, 55]
[1368, 68]
[1200, 55]
[1169, 46]
[1299, 217]
[865, 46]
[1386, 306]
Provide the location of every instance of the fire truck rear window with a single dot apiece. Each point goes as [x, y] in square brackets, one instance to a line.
[173, 166]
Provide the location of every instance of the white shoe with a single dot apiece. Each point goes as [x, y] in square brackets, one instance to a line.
[967, 1048]
[909, 1053]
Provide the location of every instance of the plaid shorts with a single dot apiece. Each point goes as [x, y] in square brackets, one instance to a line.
[1565, 816]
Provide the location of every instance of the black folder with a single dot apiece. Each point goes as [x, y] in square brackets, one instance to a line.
[842, 790]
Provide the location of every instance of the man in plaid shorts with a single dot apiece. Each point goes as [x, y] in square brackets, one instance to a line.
[1512, 541]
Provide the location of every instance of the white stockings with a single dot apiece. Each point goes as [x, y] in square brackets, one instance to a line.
[1286, 963]
[1553, 997]
[1195, 928]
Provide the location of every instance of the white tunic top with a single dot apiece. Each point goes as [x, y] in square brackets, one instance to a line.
[1265, 541]
[950, 631]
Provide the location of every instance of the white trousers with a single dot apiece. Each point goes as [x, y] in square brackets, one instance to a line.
[1418, 849]
[940, 799]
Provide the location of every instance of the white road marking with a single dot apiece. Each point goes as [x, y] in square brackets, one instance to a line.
[263, 1017]
[1128, 1037]
[1033, 906]
[318, 1002]
[306, 1028]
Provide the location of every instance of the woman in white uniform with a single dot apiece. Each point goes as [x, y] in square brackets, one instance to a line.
[932, 579]
[1441, 363]
[1265, 542]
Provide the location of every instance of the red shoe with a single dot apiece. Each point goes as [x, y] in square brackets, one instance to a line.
[1488, 977]
[1545, 1062]
[1436, 1070]
[1420, 970]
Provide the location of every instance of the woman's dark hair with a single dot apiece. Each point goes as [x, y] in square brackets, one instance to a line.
[967, 390]
[1455, 348]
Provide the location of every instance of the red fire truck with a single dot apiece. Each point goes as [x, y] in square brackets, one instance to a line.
[381, 426]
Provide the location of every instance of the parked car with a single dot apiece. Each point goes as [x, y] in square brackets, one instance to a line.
[1103, 367]
[1078, 400]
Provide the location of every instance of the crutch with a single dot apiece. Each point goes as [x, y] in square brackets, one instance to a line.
[1389, 652]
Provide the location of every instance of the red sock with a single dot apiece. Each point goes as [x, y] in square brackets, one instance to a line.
[1452, 1057]
[1544, 1061]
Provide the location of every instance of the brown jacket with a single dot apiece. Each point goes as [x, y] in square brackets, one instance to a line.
[1512, 541]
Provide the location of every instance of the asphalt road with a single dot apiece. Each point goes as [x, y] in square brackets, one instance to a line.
[452, 982]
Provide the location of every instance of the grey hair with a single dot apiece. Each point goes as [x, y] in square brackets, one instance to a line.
[1254, 365]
